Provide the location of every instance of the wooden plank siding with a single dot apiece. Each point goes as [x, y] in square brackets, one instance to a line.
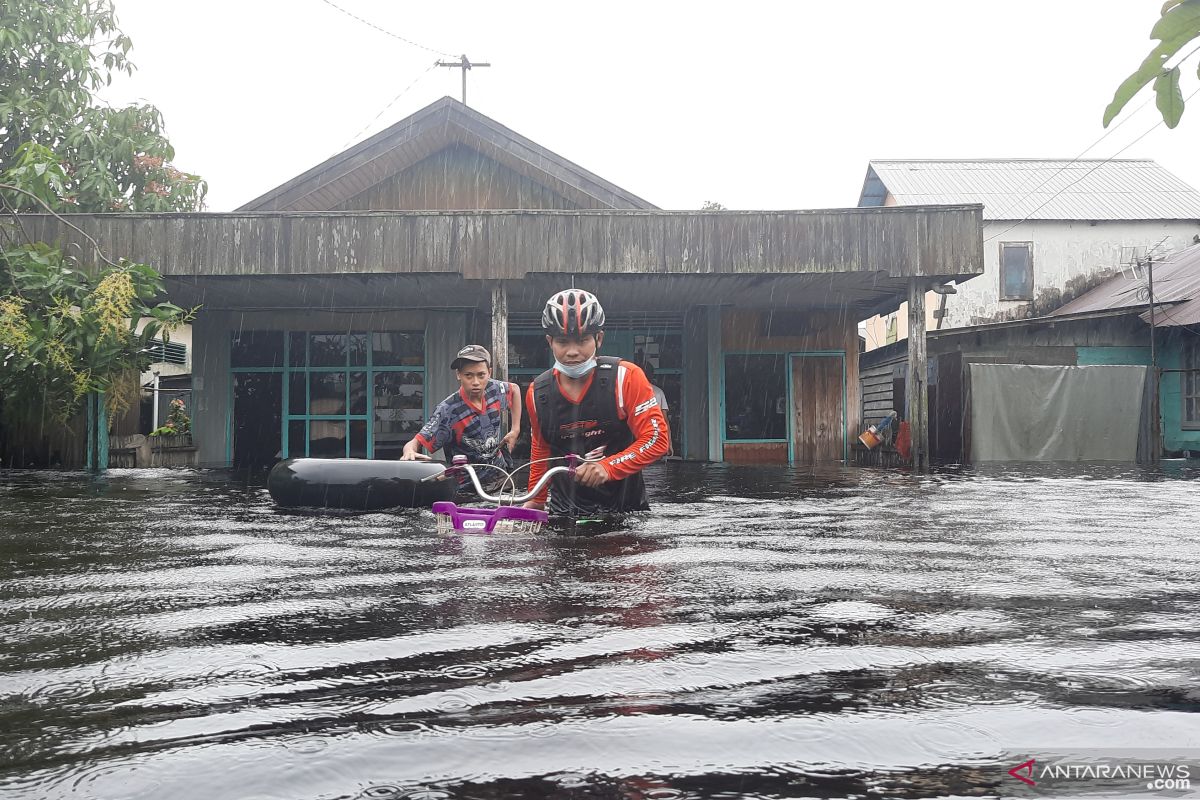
[443, 124]
[756, 452]
[826, 331]
[876, 382]
[941, 242]
[456, 177]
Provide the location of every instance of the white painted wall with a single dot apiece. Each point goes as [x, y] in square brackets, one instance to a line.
[1061, 251]
[181, 335]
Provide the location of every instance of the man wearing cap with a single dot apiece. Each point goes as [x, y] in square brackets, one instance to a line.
[470, 421]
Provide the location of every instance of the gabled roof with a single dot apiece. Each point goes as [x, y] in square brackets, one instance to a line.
[1176, 292]
[1039, 189]
[439, 125]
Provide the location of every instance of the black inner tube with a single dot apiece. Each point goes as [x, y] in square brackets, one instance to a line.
[357, 484]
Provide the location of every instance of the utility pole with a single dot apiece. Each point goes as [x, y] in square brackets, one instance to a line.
[464, 64]
[1155, 378]
[1150, 298]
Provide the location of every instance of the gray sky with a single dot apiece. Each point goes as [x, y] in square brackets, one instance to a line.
[756, 105]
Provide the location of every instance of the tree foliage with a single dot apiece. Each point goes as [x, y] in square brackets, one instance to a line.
[1178, 25]
[67, 331]
[54, 56]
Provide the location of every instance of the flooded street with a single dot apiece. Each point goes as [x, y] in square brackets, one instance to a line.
[763, 633]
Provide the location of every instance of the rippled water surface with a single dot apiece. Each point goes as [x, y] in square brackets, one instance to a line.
[763, 633]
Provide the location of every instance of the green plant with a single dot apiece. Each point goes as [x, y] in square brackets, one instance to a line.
[1178, 25]
[178, 422]
[67, 331]
[54, 56]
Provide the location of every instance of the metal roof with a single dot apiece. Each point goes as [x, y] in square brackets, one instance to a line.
[1042, 189]
[1176, 292]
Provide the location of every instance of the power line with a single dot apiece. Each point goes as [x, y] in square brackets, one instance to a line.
[1084, 175]
[1105, 135]
[370, 24]
[1014, 203]
[391, 103]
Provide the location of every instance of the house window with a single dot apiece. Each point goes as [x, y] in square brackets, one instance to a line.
[1016, 270]
[756, 397]
[357, 394]
[1191, 387]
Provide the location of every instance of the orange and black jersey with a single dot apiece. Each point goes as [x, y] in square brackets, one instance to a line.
[617, 410]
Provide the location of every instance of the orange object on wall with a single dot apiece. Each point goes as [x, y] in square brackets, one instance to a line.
[904, 441]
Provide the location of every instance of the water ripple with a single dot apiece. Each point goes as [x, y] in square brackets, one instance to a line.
[764, 633]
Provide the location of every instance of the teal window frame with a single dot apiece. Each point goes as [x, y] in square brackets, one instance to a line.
[515, 374]
[1189, 385]
[369, 368]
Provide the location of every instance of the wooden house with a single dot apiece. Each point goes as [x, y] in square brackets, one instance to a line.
[332, 305]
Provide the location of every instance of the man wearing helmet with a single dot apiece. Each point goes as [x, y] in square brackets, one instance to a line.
[587, 404]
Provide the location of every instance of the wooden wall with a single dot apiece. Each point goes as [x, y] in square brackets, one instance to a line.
[869, 243]
[456, 178]
[877, 392]
[42, 441]
[821, 330]
[756, 452]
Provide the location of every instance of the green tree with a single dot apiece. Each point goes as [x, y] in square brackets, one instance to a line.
[1178, 26]
[66, 331]
[54, 56]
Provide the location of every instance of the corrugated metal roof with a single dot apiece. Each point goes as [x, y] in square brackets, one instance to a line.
[1176, 292]
[1017, 189]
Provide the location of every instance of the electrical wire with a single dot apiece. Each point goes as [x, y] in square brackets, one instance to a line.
[372, 25]
[1084, 175]
[999, 215]
[1013, 204]
[391, 103]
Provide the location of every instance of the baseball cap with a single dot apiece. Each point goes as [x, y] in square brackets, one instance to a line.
[472, 352]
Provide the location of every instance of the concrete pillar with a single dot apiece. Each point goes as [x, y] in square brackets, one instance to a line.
[917, 389]
[211, 389]
[445, 334]
[500, 332]
[696, 401]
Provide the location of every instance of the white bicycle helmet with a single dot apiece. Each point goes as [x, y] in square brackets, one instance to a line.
[573, 312]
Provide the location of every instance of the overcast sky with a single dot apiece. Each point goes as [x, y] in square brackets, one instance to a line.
[755, 105]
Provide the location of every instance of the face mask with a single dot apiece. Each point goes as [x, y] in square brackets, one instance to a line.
[576, 370]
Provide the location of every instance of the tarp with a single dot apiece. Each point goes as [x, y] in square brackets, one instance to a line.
[1029, 413]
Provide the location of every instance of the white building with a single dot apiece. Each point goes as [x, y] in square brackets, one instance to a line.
[1051, 228]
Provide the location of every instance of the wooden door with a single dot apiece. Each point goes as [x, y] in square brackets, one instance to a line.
[818, 412]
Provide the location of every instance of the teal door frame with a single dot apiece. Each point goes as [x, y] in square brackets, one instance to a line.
[791, 407]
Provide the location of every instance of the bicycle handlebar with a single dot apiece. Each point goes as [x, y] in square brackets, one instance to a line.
[460, 463]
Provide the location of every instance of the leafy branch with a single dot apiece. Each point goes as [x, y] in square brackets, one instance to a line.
[1178, 25]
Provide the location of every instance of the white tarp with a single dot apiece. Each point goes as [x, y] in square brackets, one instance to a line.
[1028, 413]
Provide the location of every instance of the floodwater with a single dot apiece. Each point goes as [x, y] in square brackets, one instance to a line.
[763, 633]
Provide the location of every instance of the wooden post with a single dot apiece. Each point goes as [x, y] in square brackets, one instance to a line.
[97, 432]
[917, 399]
[499, 332]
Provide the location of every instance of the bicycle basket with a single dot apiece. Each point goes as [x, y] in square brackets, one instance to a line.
[505, 519]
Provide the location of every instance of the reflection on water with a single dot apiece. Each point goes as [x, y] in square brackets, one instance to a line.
[764, 633]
